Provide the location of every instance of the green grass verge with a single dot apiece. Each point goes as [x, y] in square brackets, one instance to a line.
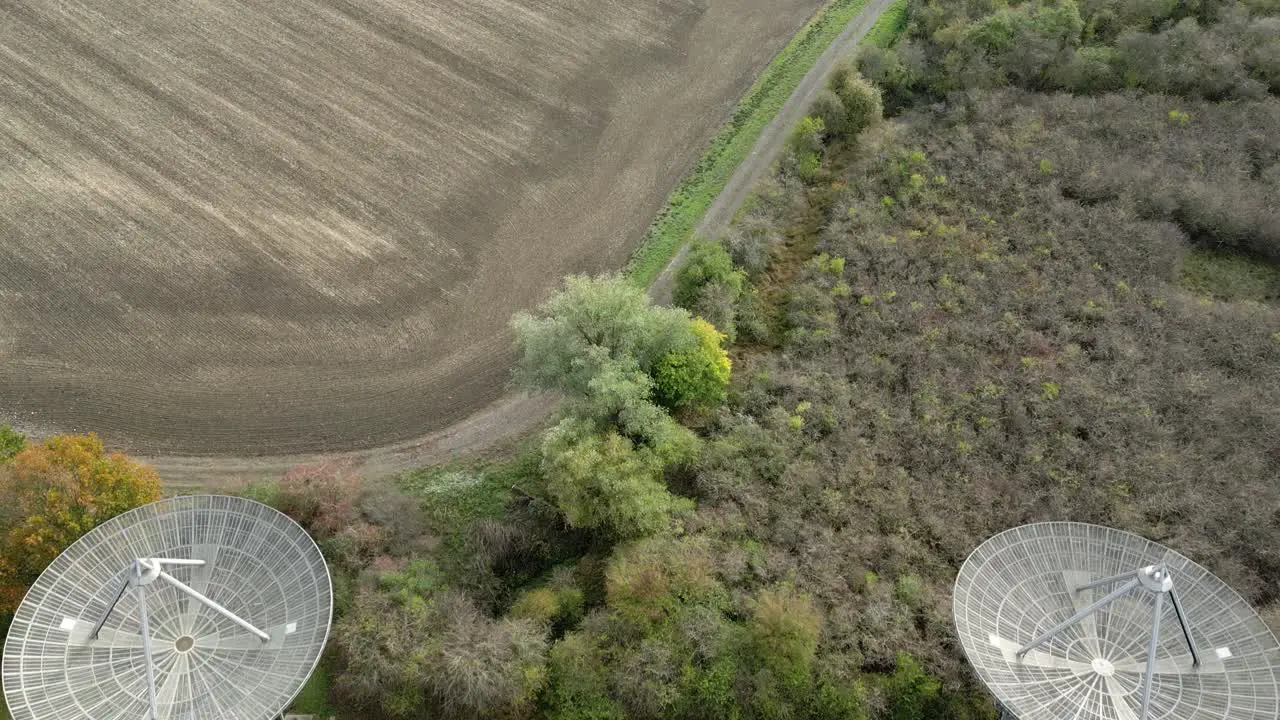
[690, 201]
[1230, 276]
[889, 25]
[314, 697]
[455, 495]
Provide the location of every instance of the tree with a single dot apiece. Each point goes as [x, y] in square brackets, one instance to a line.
[578, 681]
[596, 338]
[604, 343]
[590, 322]
[708, 263]
[56, 491]
[620, 398]
[604, 481]
[912, 694]
[829, 108]
[897, 71]
[863, 106]
[694, 378]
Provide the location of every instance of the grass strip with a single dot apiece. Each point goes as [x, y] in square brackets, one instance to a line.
[730, 146]
[313, 699]
[888, 26]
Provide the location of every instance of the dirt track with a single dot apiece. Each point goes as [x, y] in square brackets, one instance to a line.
[299, 226]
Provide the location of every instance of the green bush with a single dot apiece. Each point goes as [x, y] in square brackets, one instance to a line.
[707, 263]
[11, 442]
[861, 100]
[694, 379]
[805, 145]
[604, 482]
[577, 682]
[650, 581]
[557, 606]
[909, 590]
[709, 692]
[829, 108]
[709, 286]
[898, 72]
[783, 632]
[808, 136]
[836, 700]
[912, 694]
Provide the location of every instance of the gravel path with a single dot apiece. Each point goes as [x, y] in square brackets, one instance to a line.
[515, 416]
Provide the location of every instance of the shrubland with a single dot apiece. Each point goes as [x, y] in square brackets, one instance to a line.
[1214, 50]
[1045, 288]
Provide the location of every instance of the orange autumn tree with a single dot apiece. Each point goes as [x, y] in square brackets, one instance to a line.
[55, 491]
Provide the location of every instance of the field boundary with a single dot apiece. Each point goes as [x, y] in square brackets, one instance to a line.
[734, 141]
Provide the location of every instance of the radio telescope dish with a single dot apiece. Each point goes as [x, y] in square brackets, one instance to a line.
[193, 607]
[1079, 622]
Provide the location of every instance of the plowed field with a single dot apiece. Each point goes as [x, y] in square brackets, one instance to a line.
[275, 226]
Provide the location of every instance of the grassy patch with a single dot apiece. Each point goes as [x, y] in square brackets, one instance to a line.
[455, 495]
[314, 697]
[1230, 276]
[734, 141]
[888, 26]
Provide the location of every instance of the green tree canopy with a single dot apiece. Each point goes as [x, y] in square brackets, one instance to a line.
[604, 481]
[620, 398]
[861, 101]
[694, 378]
[591, 322]
[707, 263]
[603, 342]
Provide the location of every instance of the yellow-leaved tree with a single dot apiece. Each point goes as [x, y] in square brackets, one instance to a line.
[55, 491]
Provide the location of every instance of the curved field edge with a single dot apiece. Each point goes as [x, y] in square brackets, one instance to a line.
[686, 205]
[492, 431]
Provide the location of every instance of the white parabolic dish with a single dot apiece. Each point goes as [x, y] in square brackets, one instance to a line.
[251, 560]
[1019, 585]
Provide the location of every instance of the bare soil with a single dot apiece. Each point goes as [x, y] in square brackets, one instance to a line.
[298, 226]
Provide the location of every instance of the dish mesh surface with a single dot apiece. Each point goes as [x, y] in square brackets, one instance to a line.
[1018, 584]
[260, 565]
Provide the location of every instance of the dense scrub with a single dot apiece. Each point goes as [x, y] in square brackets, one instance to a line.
[1210, 49]
[994, 333]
